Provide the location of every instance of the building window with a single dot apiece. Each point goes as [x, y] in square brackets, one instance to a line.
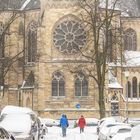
[110, 46]
[2, 40]
[134, 84]
[69, 35]
[129, 89]
[81, 85]
[58, 84]
[2, 36]
[139, 90]
[130, 40]
[32, 41]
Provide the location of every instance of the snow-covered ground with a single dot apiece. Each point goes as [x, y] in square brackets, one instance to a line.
[54, 133]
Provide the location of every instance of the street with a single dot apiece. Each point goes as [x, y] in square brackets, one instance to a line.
[54, 133]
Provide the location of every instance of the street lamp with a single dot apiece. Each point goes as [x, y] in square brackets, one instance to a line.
[126, 73]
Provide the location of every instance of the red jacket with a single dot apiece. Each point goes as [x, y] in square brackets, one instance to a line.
[81, 122]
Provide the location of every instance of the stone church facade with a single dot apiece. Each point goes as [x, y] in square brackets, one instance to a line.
[45, 37]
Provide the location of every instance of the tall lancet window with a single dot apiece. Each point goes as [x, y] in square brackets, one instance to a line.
[81, 85]
[32, 41]
[58, 84]
[130, 40]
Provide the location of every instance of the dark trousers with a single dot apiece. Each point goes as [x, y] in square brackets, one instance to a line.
[81, 130]
[64, 131]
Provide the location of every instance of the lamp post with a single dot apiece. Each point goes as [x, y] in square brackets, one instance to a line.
[126, 111]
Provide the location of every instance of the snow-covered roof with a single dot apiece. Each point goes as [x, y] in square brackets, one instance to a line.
[19, 4]
[132, 58]
[113, 83]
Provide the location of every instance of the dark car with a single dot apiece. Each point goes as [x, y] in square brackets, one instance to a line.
[4, 135]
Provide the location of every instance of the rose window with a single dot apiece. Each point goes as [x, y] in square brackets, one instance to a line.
[69, 36]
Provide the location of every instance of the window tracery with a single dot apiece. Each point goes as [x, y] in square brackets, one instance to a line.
[130, 39]
[69, 36]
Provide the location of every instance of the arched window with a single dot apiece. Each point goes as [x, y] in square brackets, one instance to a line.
[129, 89]
[21, 28]
[58, 84]
[139, 90]
[2, 36]
[130, 39]
[32, 41]
[2, 40]
[110, 46]
[81, 85]
[134, 84]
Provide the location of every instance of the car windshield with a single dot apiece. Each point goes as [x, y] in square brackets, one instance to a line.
[110, 125]
[124, 130]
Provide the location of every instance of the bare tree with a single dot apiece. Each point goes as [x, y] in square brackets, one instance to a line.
[103, 42]
[7, 61]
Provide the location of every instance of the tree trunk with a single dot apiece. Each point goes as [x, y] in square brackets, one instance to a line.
[101, 102]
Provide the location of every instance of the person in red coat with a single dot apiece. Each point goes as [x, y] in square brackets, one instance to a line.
[81, 123]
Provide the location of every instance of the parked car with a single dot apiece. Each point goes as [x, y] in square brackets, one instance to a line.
[119, 132]
[135, 133]
[103, 120]
[104, 130]
[91, 122]
[4, 135]
[49, 122]
[21, 122]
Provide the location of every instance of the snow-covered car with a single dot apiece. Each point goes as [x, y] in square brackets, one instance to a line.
[103, 121]
[20, 126]
[119, 132]
[90, 122]
[135, 133]
[133, 121]
[104, 130]
[21, 122]
[49, 122]
[4, 135]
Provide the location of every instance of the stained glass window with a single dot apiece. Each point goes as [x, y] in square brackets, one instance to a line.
[130, 39]
[81, 85]
[32, 41]
[134, 82]
[69, 36]
[58, 84]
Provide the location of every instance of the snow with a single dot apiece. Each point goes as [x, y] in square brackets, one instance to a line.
[20, 123]
[132, 58]
[135, 133]
[54, 133]
[113, 83]
[15, 110]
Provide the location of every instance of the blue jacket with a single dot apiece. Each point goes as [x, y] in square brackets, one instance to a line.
[63, 121]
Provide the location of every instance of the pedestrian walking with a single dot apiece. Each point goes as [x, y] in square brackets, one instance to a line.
[81, 123]
[64, 124]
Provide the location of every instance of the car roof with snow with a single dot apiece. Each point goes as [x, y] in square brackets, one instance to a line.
[17, 123]
[16, 110]
[115, 129]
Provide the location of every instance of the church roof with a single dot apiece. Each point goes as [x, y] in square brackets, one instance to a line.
[19, 4]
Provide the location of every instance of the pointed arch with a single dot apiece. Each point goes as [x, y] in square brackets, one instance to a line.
[130, 39]
[81, 85]
[32, 41]
[58, 84]
[28, 102]
[2, 52]
[21, 28]
[129, 89]
[134, 87]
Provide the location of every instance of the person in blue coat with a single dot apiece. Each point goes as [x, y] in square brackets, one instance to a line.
[64, 124]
